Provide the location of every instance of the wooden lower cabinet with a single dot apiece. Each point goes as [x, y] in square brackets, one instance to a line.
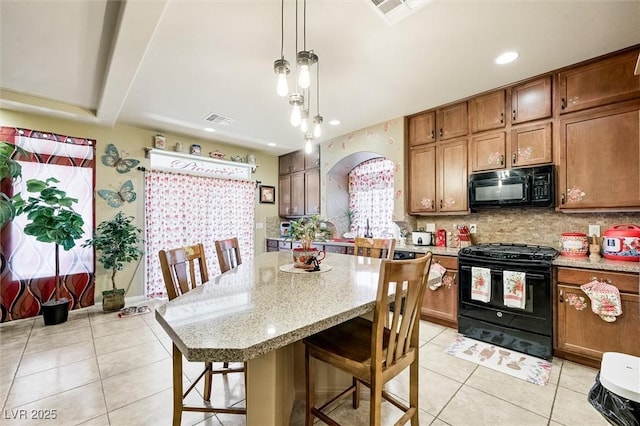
[441, 305]
[581, 335]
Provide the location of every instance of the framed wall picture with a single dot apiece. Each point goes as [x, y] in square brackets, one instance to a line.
[267, 194]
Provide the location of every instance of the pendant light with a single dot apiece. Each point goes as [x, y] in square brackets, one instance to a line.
[308, 147]
[317, 120]
[281, 66]
[305, 58]
[296, 100]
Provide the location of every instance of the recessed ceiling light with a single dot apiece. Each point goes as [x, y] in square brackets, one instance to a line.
[271, 144]
[209, 129]
[506, 57]
[334, 122]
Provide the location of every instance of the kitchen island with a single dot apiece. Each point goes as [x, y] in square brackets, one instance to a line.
[256, 312]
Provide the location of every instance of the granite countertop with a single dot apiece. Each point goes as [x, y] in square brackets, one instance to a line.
[257, 307]
[573, 262]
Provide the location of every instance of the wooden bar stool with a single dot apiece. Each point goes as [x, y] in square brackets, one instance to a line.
[179, 270]
[381, 248]
[374, 352]
[228, 253]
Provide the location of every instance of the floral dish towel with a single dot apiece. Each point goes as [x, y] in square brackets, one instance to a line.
[514, 289]
[605, 299]
[480, 284]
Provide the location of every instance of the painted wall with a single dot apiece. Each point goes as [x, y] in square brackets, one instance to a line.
[131, 142]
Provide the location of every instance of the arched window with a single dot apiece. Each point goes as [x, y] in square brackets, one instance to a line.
[371, 196]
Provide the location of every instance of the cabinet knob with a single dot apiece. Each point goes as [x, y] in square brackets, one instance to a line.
[502, 118]
[440, 204]
[433, 134]
[441, 132]
[514, 115]
[563, 103]
[562, 198]
[513, 158]
[561, 297]
[502, 160]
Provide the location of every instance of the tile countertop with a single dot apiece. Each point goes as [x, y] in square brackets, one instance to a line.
[573, 262]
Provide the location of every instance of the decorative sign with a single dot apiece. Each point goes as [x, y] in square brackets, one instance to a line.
[203, 166]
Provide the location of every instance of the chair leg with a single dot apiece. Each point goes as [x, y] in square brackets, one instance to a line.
[375, 410]
[309, 388]
[208, 377]
[355, 398]
[413, 390]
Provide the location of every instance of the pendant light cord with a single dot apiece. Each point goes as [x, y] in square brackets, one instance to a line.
[318, 87]
[304, 26]
[282, 31]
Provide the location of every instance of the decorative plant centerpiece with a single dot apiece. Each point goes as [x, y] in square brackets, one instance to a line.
[117, 242]
[306, 231]
[53, 220]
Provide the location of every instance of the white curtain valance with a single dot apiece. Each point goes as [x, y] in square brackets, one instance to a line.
[201, 166]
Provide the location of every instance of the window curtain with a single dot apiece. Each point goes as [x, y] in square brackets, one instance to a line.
[371, 196]
[182, 209]
[28, 278]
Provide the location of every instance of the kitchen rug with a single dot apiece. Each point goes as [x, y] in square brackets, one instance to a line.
[525, 367]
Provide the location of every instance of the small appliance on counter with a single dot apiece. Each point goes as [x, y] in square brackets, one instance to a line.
[285, 227]
[421, 238]
[441, 238]
[622, 242]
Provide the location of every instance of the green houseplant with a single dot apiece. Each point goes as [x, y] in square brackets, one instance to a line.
[307, 230]
[11, 169]
[53, 220]
[117, 242]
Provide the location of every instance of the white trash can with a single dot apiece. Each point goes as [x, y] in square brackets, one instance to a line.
[616, 393]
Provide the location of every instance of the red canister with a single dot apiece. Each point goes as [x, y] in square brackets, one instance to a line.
[622, 242]
[574, 244]
[441, 238]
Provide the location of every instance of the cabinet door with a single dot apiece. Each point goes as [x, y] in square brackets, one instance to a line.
[441, 305]
[422, 179]
[422, 128]
[284, 197]
[600, 159]
[297, 194]
[603, 82]
[531, 145]
[583, 332]
[488, 151]
[312, 160]
[312, 192]
[487, 112]
[531, 101]
[452, 121]
[452, 175]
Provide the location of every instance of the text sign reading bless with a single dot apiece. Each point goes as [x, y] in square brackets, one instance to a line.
[184, 163]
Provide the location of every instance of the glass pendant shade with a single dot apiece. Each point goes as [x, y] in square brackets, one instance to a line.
[304, 77]
[296, 116]
[308, 148]
[281, 67]
[304, 60]
[317, 126]
[304, 123]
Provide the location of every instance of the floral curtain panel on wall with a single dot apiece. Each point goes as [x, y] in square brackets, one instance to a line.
[182, 209]
[371, 196]
[28, 277]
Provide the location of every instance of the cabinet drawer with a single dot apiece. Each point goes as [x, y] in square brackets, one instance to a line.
[449, 262]
[626, 282]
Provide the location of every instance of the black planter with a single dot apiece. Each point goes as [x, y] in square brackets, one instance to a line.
[55, 312]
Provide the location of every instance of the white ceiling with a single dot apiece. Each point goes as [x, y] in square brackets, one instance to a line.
[167, 64]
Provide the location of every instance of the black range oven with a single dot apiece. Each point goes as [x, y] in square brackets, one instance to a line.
[492, 316]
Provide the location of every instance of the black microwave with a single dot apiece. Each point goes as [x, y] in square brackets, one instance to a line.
[529, 186]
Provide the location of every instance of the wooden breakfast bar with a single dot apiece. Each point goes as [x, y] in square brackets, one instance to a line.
[255, 313]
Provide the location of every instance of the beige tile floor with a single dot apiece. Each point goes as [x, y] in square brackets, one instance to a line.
[98, 369]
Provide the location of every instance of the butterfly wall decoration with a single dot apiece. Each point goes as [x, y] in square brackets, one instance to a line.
[115, 199]
[112, 158]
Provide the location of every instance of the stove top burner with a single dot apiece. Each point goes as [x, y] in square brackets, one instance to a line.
[510, 251]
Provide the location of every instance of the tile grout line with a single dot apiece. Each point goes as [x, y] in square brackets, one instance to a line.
[13, 378]
[104, 397]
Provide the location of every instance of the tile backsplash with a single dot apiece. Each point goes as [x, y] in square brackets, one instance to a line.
[529, 225]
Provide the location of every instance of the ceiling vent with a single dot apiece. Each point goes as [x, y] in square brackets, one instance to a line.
[219, 119]
[395, 10]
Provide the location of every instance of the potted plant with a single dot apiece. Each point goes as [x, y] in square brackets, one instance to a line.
[11, 169]
[53, 220]
[307, 230]
[117, 242]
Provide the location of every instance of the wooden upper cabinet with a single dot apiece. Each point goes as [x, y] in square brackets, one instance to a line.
[284, 195]
[312, 191]
[422, 179]
[603, 82]
[422, 128]
[312, 160]
[531, 101]
[486, 112]
[292, 162]
[600, 152]
[531, 145]
[452, 176]
[488, 152]
[452, 121]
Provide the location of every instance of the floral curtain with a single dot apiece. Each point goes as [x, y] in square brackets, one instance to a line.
[182, 209]
[371, 196]
[28, 277]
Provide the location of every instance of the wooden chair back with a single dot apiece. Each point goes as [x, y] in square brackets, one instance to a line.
[228, 253]
[398, 325]
[179, 268]
[381, 248]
